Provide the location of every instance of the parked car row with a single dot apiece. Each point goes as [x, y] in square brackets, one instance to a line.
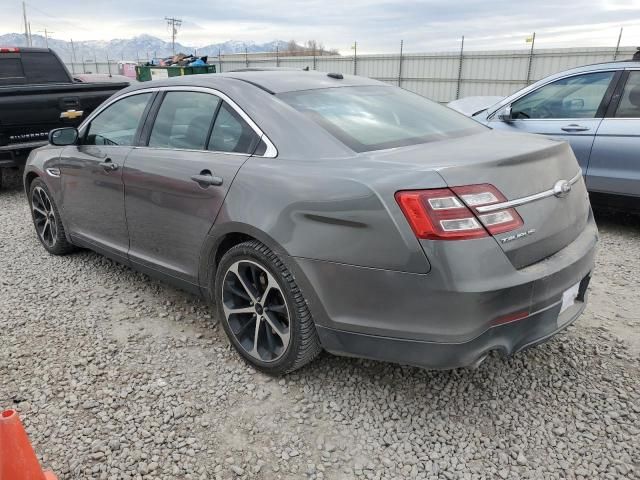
[595, 108]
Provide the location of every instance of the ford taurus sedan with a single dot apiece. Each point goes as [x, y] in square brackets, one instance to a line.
[321, 211]
[596, 108]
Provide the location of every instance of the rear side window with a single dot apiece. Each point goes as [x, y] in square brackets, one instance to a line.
[232, 134]
[629, 106]
[10, 68]
[118, 123]
[184, 120]
[375, 118]
[43, 67]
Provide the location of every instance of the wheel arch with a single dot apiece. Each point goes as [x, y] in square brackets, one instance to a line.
[29, 177]
[221, 238]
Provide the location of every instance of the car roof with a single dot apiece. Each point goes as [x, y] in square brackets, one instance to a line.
[619, 65]
[271, 81]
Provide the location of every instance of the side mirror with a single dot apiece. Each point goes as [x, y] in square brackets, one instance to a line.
[62, 137]
[505, 115]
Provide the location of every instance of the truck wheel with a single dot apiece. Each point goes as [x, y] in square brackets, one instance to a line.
[46, 220]
[263, 311]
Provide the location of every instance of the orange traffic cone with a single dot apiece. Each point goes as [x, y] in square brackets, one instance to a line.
[17, 459]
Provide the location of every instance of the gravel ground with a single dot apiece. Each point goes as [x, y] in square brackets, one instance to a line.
[120, 377]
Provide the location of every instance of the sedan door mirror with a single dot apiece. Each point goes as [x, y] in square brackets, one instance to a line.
[505, 115]
[63, 136]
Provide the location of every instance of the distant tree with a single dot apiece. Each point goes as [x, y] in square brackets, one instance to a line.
[310, 47]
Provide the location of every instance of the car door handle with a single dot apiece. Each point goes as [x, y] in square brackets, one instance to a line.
[108, 165]
[575, 128]
[206, 179]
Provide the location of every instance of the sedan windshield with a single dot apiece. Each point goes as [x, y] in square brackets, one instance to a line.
[378, 117]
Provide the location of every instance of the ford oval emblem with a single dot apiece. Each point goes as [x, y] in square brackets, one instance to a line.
[561, 188]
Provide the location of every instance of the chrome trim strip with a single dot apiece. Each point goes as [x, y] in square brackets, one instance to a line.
[270, 152]
[524, 200]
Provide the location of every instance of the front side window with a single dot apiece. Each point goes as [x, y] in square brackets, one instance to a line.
[629, 106]
[377, 117]
[573, 97]
[232, 134]
[118, 123]
[184, 120]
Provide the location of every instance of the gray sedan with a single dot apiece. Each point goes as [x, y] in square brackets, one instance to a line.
[321, 211]
[595, 108]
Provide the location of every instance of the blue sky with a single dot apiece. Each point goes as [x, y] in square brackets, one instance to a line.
[377, 25]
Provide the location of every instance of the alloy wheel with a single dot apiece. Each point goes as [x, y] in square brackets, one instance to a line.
[44, 217]
[256, 311]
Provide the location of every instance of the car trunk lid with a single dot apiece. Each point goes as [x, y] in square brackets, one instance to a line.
[525, 169]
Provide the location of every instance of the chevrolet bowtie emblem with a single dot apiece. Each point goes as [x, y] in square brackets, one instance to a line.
[71, 114]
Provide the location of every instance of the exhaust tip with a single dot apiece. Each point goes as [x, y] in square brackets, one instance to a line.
[476, 364]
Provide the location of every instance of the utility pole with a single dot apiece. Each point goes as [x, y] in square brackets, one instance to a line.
[46, 36]
[27, 35]
[174, 23]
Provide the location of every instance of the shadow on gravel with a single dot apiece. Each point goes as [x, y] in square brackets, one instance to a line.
[617, 220]
[11, 181]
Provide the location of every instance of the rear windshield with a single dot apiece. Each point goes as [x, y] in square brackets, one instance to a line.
[378, 117]
[43, 67]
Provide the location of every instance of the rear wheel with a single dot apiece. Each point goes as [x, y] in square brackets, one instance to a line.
[263, 311]
[46, 220]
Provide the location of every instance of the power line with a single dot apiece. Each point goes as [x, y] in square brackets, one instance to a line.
[174, 23]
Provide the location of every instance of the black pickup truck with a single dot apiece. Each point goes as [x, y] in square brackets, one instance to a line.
[37, 94]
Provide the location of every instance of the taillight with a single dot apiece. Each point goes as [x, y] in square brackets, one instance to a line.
[9, 50]
[497, 222]
[450, 214]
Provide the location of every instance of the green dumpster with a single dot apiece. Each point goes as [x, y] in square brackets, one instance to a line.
[146, 73]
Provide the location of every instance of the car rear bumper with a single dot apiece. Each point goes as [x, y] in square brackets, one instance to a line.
[506, 339]
[445, 319]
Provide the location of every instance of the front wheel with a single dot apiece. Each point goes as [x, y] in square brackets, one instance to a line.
[263, 311]
[46, 220]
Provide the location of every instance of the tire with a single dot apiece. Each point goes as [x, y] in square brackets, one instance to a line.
[46, 219]
[253, 279]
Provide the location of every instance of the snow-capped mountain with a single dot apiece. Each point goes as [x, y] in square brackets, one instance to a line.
[140, 47]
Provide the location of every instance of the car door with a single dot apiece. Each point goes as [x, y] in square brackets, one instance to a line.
[91, 176]
[570, 109]
[614, 167]
[176, 182]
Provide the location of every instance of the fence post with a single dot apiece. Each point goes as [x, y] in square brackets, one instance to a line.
[219, 61]
[246, 56]
[314, 57]
[615, 55]
[533, 42]
[460, 69]
[355, 58]
[400, 65]
[277, 55]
